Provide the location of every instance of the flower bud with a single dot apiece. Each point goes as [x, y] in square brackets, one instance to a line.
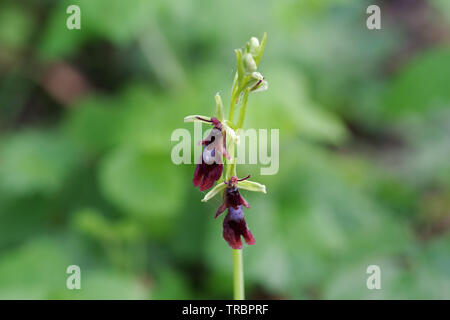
[254, 46]
[249, 63]
[257, 76]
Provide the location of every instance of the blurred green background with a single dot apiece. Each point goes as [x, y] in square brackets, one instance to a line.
[85, 171]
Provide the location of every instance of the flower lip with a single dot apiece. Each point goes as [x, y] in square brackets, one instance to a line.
[205, 175]
[235, 226]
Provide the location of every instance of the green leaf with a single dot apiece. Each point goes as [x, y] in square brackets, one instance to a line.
[141, 182]
[16, 26]
[35, 161]
[288, 106]
[59, 41]
[107, 284]
[92, 124]
[41, 264]
[422, 84]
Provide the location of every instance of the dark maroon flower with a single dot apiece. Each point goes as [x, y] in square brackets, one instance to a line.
[235, 226]
[210, 167]
[232, 197]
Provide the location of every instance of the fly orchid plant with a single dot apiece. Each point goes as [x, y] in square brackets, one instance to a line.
[220, 144]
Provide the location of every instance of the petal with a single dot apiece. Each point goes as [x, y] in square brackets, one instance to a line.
[206, 174]
[257, 76]
[230, 235]
[195, 118]
[263, 86]
[221, 209]
[198, 174]
[252, 186]
[213, 172]
[218, 188]
[248, 236]
[206, 183]
[235, 226]
[243, 202]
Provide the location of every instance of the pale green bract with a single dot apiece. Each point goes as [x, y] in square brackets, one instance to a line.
[194, 118]
[252, 186]
[246, 185]
[218, 188]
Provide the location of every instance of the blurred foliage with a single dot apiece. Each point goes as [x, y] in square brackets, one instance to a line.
[85, 171]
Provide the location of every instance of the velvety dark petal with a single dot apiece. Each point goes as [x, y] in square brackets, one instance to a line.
[235, 226]
[211, 174]
[198, 174]
[248, 236]
[221, 209]
[229, 234]
[244, 202]
[206, 184]
[206, 174]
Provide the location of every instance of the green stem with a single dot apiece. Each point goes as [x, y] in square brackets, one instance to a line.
[238, 86]
[231, 164]
[232, 104]
[241, 118]
[233, 100]
[238, 275]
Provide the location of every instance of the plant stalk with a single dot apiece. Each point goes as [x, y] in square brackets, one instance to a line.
[240, 80]
[238, 275]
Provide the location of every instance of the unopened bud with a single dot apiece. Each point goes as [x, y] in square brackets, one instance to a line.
[254, 46]
[249, 63]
